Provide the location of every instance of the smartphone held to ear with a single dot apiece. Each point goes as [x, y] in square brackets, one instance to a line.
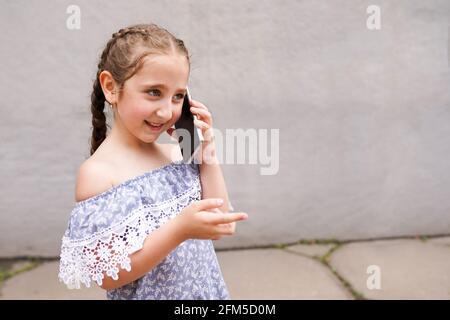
[188, 135]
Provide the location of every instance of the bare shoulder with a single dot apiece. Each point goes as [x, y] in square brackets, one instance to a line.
[97, 174]
[93, 178]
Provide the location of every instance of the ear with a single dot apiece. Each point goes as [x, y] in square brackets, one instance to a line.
[109, 86]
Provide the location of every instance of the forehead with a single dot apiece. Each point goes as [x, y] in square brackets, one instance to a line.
[172, 70]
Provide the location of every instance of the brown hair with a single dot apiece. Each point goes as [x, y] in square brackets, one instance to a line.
[123, 57]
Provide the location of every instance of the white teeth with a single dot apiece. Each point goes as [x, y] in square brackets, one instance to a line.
[155, 124]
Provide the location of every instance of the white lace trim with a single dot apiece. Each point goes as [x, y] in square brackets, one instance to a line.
[89, 258]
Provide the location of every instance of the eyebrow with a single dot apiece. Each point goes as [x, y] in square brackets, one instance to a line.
[161, 85]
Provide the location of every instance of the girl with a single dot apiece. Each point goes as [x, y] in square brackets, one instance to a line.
[144, 220]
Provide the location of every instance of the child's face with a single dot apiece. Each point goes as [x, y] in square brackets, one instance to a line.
[141, 98]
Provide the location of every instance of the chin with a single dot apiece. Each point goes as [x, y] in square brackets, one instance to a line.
[152, 140]
[149, 138]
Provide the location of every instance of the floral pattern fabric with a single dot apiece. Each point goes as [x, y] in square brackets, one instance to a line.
[105, 229]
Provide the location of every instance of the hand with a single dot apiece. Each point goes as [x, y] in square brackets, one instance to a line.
[230, 227]
[204, 122]
[196, 222]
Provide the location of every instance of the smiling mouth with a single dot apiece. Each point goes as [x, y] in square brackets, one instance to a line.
[154, 126]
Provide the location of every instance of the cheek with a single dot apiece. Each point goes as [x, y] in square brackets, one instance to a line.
[136, 110]
[176, 115]
[142, 112]
[134, 114]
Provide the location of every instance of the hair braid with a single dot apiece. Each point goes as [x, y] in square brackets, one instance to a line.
[98, 116]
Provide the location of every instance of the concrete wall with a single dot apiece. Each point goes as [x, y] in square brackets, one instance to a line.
[363, 114]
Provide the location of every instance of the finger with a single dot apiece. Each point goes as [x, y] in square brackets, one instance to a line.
[215, 210]
[198, 104]
[227, 229]
[201, 112]
[227, 226]
[202, 116]
[209, 203]
[201, 124]
[222, 218]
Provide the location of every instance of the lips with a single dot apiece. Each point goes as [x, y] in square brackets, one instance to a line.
[155, 126]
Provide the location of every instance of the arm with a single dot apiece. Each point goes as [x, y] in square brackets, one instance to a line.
[211, 177]
[92, 179]
[159, 244]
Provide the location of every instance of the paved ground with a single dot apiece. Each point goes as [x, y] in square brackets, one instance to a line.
[393, 269]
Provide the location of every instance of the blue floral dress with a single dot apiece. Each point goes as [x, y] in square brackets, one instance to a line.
[105, 229]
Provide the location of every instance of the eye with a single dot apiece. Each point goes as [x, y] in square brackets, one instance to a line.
[154, 90]
[181, 96]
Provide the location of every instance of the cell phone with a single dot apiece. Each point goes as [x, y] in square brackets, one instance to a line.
[188, 135]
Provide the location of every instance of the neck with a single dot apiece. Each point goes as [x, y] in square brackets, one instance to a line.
[123, 138]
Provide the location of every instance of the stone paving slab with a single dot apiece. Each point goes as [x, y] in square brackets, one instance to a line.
[442, 241]
[277, 274]
[250, 274]
[409, 269]
[313, 250]
[42, 283]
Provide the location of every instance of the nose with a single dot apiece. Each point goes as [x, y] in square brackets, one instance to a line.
[164, 114]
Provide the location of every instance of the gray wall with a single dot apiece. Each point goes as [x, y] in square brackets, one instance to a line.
[363, 114]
